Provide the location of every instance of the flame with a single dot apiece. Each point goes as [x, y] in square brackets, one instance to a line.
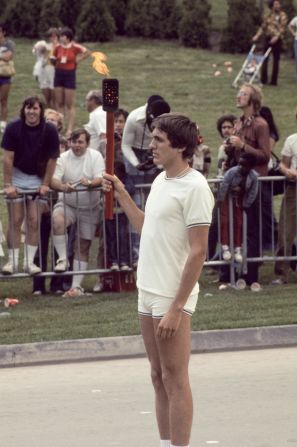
[99, 63]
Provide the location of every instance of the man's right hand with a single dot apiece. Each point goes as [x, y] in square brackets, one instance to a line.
[110, 182]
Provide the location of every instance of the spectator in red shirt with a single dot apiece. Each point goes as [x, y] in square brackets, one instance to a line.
[67, 54]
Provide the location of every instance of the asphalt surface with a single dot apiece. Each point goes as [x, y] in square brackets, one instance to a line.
[246, 398]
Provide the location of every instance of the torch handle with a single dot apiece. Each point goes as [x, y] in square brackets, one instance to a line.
[109, 162]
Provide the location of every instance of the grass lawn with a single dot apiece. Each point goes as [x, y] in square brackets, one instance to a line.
[185, 77]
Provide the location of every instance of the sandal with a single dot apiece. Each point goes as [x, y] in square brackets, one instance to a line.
[74, 292]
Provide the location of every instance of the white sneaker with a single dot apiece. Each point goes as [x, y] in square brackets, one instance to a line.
[238, 257]
[61, 266]
[124, 267]
[226, 255]
[98, 287]
[8, 268]
[32, 269]
[114, 266]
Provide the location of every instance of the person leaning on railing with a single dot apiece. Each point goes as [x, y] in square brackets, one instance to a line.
[31, 147]
[287, 220]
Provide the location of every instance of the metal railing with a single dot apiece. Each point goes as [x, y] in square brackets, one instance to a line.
[99, 261]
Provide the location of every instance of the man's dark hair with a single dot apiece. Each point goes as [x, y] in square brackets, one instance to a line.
[180, 130]
[228, 117]
[120, 112]
[154, 98]
[251, 159]
[30, 101]
[266, 113]
[157, 108]
[67, 32]
[4, 28]
[78, 132]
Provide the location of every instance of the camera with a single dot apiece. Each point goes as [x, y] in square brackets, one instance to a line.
[227, 140]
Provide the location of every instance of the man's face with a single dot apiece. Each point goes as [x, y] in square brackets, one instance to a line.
[243, 97]
[119, 124]
[227, 129]
[32, 114]
[90, 104]
[163, 153]
[79, 146]
[52, 118]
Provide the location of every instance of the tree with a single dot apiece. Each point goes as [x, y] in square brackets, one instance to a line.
[153, 18]
[118, 10]
[22, 18]
[195, 23]
[135, 24]
[242, 22]
[49, 16]
[95, 23]
[69, 11]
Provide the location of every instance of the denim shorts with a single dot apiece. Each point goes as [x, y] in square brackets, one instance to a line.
[65, 79]
[5, 80]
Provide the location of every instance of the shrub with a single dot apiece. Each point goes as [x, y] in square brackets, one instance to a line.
[242, 23]
[69, 12]
[136, 18]
[195, 23]
[153, 18]
[118, 10]
[49, 16]
[22, 18]
[95, 23]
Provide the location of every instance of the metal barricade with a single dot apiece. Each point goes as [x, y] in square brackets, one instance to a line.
[99, 258]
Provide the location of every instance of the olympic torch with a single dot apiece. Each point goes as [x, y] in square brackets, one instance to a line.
[110, 93]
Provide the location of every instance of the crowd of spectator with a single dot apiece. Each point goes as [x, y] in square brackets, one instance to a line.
[38, 157]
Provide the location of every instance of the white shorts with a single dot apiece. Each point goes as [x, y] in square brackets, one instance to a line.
[156, 306]
[86, 219]
[46, 77]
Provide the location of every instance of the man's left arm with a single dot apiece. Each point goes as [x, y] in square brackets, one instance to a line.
[198, 240]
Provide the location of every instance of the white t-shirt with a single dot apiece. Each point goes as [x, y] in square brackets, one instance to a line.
[136, 134]
[293, 23]
[290, 150]
[71, 168]
[173, 206]
[96, 127]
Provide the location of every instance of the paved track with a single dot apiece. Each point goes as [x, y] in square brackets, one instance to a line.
[242, 399]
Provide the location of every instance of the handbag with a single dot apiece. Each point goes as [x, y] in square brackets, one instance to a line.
[278, 186]
[7, 68]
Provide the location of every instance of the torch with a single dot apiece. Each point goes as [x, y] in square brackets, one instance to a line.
[110, 93]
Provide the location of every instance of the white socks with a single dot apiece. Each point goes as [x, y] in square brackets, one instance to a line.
[60, 242]
[13, 256]
[29, 253]
[166, 443]
[77, 266]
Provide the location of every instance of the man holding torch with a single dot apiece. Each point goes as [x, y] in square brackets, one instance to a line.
[173, 245]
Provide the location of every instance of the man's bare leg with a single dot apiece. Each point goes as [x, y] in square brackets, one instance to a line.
[161, 399]
[174, 355]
